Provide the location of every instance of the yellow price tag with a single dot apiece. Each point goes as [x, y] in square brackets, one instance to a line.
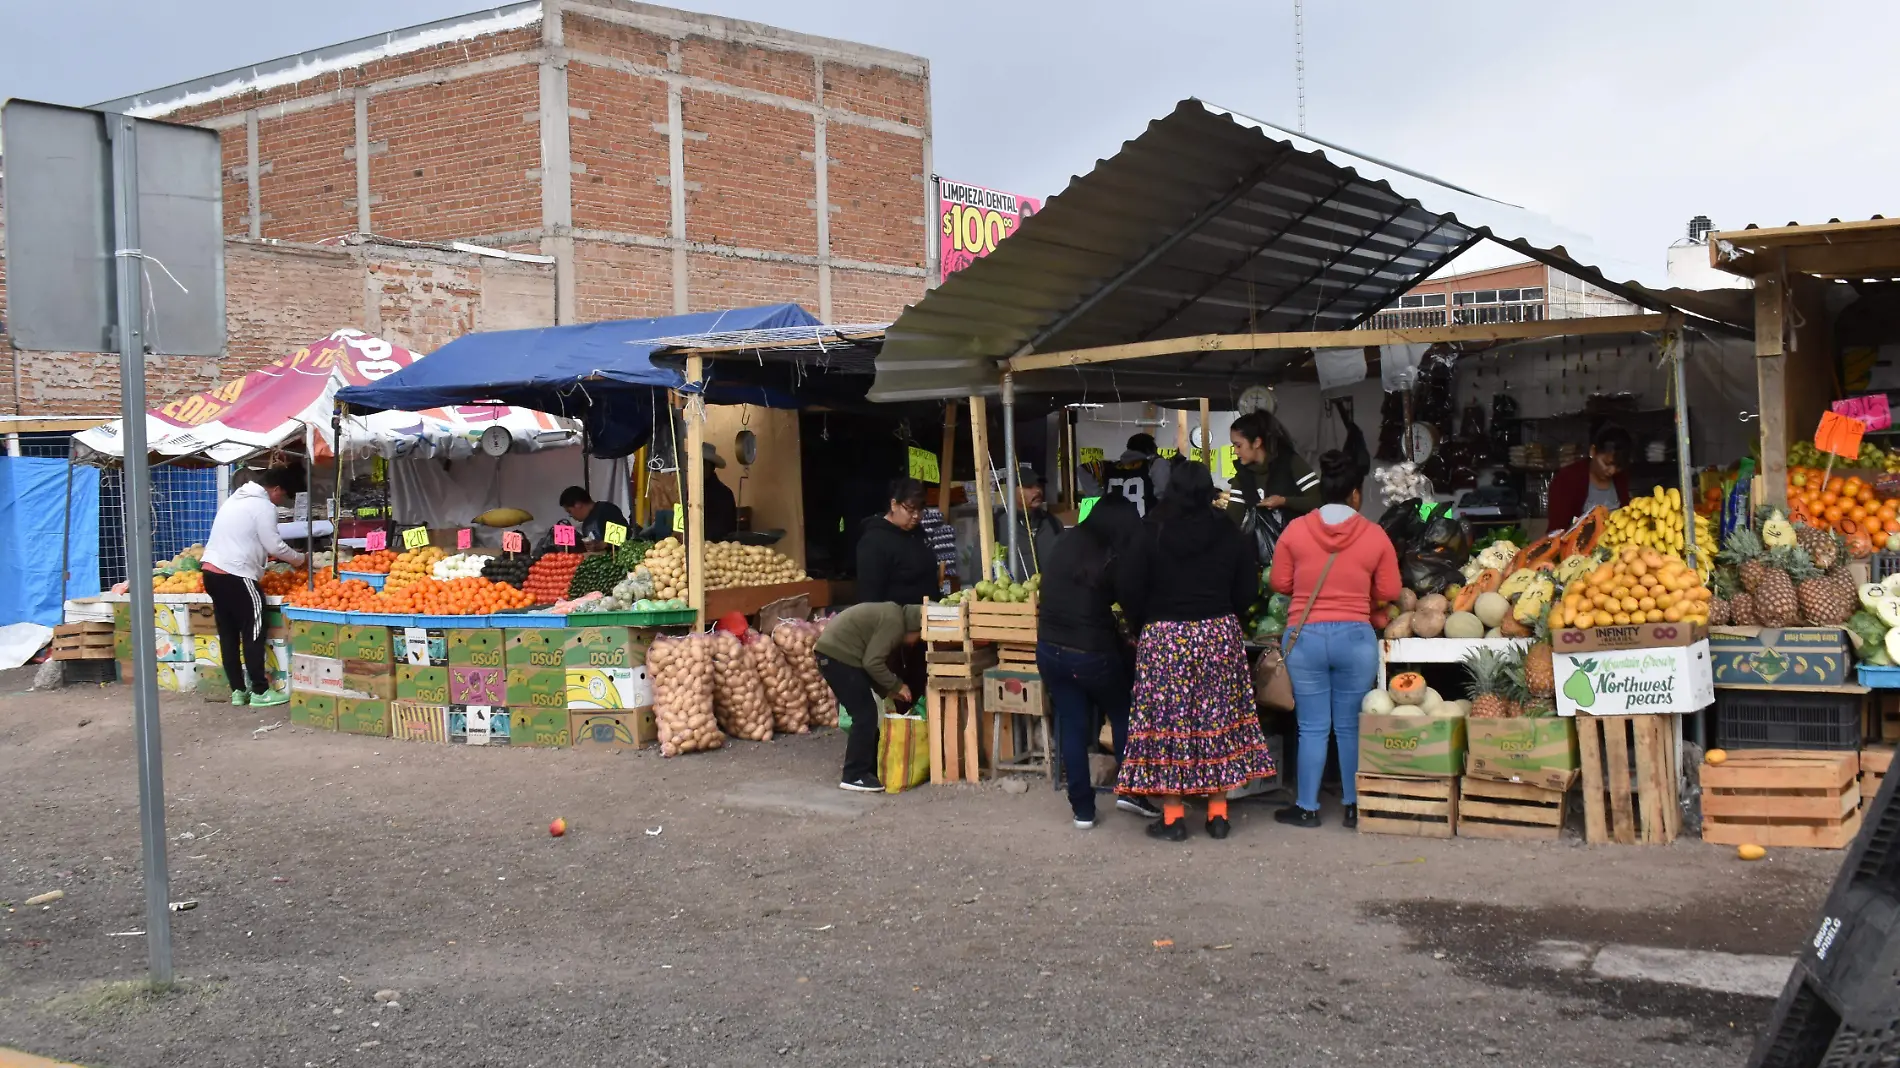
[613, 534]
[679, 518]
[415, 537]
[1227, 456]
[923, 465]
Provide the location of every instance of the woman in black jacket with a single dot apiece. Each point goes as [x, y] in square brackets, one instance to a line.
[1193, 729]
[895, 560]
[1080, 651]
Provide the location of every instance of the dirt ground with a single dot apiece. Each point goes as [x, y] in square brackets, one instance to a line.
[737, 909]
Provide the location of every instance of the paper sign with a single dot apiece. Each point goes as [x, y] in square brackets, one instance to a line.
[464, 538]
[1872, 410]
[1088, 505]
[1839, 435]
[376, 541]
[614, 534]
[679, 519]
[513, 541]
[923, 465]
[1089, 456]
[564, 536]
[415, 537]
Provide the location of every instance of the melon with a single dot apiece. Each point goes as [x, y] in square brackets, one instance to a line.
[1463, 625]
[1491, 608]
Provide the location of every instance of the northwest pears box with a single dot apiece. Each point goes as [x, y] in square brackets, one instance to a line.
[1631, 636]
[480, 648]
[536, 647]
[1540, 751]
[601, 647]
[1634, 682]
[1789, 656]
[534, 688]
[365, 643]
[1412, 744]
[424, 685]
[312, 637]
[361, 716]
[314, 710]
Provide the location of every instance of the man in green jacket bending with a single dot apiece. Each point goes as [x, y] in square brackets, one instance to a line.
[854, 654]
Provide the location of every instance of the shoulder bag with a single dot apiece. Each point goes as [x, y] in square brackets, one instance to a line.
[1272, 686]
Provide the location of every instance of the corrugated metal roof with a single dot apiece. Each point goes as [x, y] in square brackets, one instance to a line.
[1208, 222]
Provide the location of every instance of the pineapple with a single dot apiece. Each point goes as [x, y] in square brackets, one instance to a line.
[1722, 590]
[1775, 599]
[1823, 601]
[1540, 677]
[1490, 684]
[1744, 553]
[1741, 611]
[1824, 546]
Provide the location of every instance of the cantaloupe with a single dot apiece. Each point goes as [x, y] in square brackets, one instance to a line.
[1408, 688]
[1491, 607]
[1464, 625]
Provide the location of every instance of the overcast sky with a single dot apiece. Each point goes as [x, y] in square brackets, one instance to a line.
[1619, 119]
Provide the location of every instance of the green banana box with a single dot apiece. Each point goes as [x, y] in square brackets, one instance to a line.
[1635, 682]
[1786, 656]
[1412, 744]
[1539, 752]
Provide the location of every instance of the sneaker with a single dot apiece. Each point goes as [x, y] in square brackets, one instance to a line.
[1169, 832]
[268, 698]
[1084, 823]
[240, 698]
[1295, 816]
[864, 784]
[1140, 806]
[1218, 827]
[1351, 819]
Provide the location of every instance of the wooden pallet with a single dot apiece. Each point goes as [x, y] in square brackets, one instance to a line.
[1421, 808]
[952, 707]
[1003, 621]
[1782, 797]
[1874, 762]
[1630, 794]
[1491, 809]
[82, 641]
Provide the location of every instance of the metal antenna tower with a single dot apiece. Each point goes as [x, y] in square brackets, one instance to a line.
[1299, 57]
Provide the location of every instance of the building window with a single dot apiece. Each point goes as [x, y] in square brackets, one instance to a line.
[1532, 293]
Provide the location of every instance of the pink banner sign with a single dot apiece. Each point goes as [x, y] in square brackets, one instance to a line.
[972, 219]
[1873, 410]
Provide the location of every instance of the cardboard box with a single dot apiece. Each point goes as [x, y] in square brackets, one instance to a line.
[274, 621]
[412, 721]
[478, 725]
[201, 619]
[314, 710]
[544, 728]
[212, 685]
[171, 647]
[537, 687]
[1007, 690]
[1634, 636]
[316, 674]
[423, 646]
[1790, 656]
[177, 677]
[367, 644]
[609, 688]
[369, 679]
[629, 729]
[1537, 752]
[360, 716]
[277, 657]
[599, 647]
[478, 685]
[424, 685]
[206, 649]
[1412, 744]
[1634, 682]
[309, 636]
[535, 647]
[481, 648]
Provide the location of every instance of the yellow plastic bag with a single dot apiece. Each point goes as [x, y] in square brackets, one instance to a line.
[903, 752]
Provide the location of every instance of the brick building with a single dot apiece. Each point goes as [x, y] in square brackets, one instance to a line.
[667, 162]
[1514, 293]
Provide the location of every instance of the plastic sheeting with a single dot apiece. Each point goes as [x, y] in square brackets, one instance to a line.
[32, 532]
[445, 495]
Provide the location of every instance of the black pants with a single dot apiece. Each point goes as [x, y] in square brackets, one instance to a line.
[852, 686]
[239, 610]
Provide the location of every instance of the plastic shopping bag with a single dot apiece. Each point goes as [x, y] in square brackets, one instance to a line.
[903, 752]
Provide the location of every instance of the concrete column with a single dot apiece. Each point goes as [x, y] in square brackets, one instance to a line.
[676, 178]
[557, 167]
[363, 225]
[250, 175]
[821, 195]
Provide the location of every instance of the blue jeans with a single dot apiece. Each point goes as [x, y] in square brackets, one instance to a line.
[1333, 666]
[1077, 682]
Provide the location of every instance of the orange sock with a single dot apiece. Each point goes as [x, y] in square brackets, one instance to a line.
[1173, 812]
[1217, 807]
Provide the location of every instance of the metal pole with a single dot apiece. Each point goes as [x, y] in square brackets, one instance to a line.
[309, 505]
[123, 130]
[1684, 469]
[336, 492]
[692, 468]
[1009, 475]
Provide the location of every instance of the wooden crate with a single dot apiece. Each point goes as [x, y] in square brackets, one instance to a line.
[952, 708]
[1874, 762]
[1000, 621]
[1782, 797]
[1883, 716]
[82, 641]
[953, 660]
[1393, 804]
[1630, 794]
[1016, 655]
[1492, 809]
[946, 622]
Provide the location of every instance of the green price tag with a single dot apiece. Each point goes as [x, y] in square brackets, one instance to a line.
[415, 537]
[1088, 505]
[1226, 456]
[679, 518]
[614, 534]
[1090, 456]
[923, 465]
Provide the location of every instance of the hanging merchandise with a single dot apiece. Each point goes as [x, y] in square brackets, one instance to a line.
[1392, 428]
[1504, 425]
[1471, 423]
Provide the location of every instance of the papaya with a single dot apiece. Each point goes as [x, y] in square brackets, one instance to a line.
[1586, 533]
[1543, 554]
[1487, 581]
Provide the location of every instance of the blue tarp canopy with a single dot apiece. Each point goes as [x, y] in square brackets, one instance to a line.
[39, 534]
[600, 373]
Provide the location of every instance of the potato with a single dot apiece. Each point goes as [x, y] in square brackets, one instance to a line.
[1427, 623]
[1408, 601]
[1400, 627]
[1434, 602]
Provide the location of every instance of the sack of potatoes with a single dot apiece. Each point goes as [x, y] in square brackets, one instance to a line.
[739, 702]
[783, 689]
[682, 675]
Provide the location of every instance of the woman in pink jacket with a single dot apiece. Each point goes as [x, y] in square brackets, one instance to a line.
[1337, 566]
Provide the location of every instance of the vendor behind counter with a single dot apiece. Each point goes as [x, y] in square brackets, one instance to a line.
[1602, 478]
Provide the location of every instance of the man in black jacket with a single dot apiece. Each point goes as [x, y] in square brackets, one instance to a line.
[895, 560]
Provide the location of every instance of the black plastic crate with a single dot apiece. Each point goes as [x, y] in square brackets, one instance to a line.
[1880, 565]
[1770, 719]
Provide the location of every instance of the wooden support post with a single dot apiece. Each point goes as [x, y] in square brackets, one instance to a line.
[1207, 444]
[985, 510]
[946, 462]
[693, 467]
[642, 511]
[1181, 443]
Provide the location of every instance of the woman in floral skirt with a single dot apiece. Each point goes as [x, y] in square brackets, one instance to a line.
[1193, 730]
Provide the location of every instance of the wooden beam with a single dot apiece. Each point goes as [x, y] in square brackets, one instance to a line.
[1867, 248]
[693, 466]
[985, 512]
[31, 424]
[1315, 339]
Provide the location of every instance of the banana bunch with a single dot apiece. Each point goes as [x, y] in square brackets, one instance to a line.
[1656, 522]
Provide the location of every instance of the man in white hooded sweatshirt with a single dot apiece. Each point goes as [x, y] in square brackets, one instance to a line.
[243, 540]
